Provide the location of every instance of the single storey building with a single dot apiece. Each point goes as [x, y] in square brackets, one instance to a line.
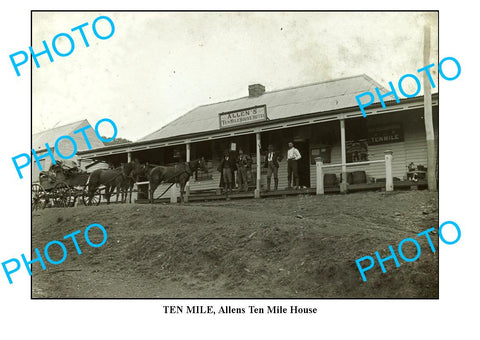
[323, 120]
[66, 148]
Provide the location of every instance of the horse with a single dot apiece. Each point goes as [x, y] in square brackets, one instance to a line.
[111, 178]
[132, 171]
[178, 173]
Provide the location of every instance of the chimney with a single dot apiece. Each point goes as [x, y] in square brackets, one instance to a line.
[256, 90]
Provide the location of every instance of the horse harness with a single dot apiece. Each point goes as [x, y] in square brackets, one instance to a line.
[114, 178]
[189, 173]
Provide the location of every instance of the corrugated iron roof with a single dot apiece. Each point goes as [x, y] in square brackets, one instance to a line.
[295, 101]
[50, 136]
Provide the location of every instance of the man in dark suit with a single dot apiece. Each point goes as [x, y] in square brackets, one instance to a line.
[226, 168]
[271, 163]
[244, 163]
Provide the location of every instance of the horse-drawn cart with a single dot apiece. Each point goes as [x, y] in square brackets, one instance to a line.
[61, 186]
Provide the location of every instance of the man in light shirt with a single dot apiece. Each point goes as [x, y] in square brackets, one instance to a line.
[293, 156]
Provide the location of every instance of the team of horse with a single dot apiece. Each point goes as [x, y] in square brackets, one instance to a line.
[123, 178]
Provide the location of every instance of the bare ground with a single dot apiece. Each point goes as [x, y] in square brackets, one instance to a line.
[295, 247]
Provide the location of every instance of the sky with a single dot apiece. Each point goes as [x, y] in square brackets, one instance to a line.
[158, 66]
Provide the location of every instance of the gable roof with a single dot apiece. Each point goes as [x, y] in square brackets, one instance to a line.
[294, 101]
[50, 136]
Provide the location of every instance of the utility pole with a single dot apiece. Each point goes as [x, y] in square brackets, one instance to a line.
[427, 104]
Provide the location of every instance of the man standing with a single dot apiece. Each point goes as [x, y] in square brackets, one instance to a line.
[271, 163]
[244, 162]
[226, 169]
[293, 156]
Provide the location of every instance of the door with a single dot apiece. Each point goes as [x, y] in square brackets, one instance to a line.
[304, 163]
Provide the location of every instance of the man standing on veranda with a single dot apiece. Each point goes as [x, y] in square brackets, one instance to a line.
[244, 163]
[293, 156]
[271, 163]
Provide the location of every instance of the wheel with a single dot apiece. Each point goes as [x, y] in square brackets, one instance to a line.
[39, 197]
[76, 193]
[96, 198]
[61, 195]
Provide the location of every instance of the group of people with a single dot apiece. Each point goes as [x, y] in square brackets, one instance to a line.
[243, 164]
[229, 163]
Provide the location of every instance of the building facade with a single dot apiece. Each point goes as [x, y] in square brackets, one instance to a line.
[321, 119]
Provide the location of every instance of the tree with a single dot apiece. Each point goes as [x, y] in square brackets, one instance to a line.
[118, 140]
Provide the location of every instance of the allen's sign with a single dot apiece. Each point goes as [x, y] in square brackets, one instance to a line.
[242, 117]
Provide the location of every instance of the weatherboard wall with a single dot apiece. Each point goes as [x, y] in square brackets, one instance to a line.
[412, 149]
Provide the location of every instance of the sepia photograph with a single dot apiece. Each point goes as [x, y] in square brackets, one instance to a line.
[235, 154]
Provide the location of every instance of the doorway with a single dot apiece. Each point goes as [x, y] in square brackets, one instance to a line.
[304, 163]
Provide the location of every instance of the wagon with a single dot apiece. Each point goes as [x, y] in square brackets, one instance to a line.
[61, 186]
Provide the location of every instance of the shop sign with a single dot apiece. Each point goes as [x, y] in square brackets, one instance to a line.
[244, 116]
[383, 134]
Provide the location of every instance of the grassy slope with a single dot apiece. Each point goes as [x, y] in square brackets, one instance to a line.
[303, 246]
